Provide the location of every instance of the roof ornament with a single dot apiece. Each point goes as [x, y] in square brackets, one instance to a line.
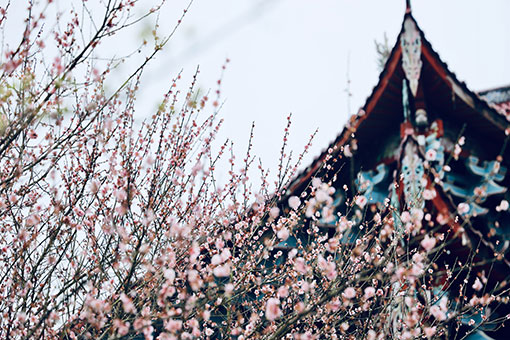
[405, 100]
[413, 172]
[410, 41]
[408, 6]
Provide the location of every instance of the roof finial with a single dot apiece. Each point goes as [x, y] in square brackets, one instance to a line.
[408, 6]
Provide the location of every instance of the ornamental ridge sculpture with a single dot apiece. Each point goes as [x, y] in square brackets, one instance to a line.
[410, 41]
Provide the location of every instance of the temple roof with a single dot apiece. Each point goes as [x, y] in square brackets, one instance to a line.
[423, 144]
[452, 98]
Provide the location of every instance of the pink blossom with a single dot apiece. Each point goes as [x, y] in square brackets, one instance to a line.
[503, 206]
[283, 234]
[311, 208]
[399, 273]
[305, 285]
[332, 244]
[300, 265]
[216, 259]
[274, 212]
[94, 186]
[283, 292]
[120, 194]
[429, 194]
[442, 219]
[127, 304]
[52, 259]
[334, 305]
[349, 293]
[194, 279]
[23, 235]
[347, 151]
[273, 311]
[225, 254]
[463, 208]
[78, 211]
[330, 271]
[299, 307]
[428, 243]
[369, 292]
[229, 289]
[416, 269]
[22, 317]
[474, 301]
[480, 191]
[294, 202]
[222, 271]
[13, 198]
[122, 327]
[33, 220]
[57, 65]
[406, 335]
[377, 218]
[429, 331]
[219, 243]
[417, 215]
[32, 134]
[328, 268]
[437, 313]
[361, 201]
[169, 274]
[417, 258]
[11, 65]
[196, 168]
[477, 285]
[166, 336]
[316, 182]
[194, 251]
[321, 196]
[405, 217]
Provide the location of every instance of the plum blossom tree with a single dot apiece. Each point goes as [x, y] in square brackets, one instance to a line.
[111, 229]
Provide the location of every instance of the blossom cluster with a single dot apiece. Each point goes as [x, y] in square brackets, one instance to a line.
[112, 228]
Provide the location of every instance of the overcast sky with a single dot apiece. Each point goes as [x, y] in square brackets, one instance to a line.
[294, 56]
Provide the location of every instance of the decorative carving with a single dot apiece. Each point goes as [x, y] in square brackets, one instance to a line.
[395, 205]
[338, 202]
[481, 183]
[410, 41]
[421, 118]
[434, 150]
[413, 172]
[368, 184]
[405, 100]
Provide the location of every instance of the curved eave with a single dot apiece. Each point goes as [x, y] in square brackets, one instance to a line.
[497, 122]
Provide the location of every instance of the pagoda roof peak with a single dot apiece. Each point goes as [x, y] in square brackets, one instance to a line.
[382, 111]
